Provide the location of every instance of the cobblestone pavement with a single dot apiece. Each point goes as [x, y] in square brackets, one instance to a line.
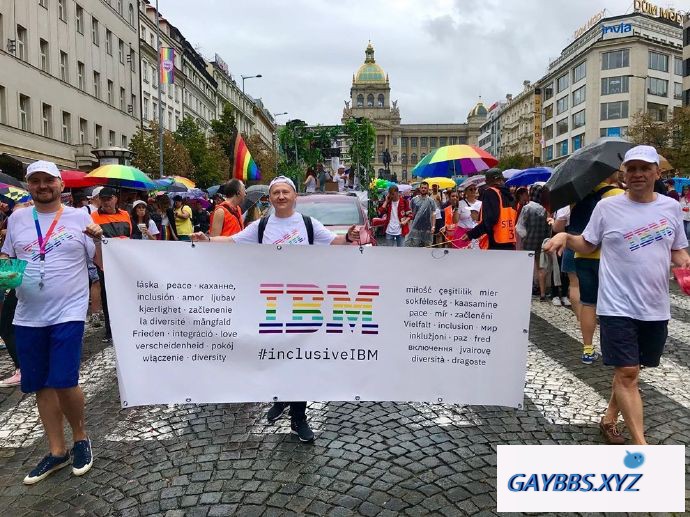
[369, 458]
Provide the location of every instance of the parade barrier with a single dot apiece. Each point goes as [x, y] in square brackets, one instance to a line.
[212, 322]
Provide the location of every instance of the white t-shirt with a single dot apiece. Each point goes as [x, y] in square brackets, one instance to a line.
[393, 227]
[563, 214]
[636, 242]
[285, 230]
[685, 208]
[153, 230]
[311, 184]
[65, 293]
[340, 178]
[465, 210]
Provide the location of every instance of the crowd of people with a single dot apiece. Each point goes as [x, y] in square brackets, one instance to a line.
[590, 252]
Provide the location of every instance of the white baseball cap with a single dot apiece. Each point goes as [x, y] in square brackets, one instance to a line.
[95, 192]
[43, 166]
[644, 153]
[139, 202]
[281, 179]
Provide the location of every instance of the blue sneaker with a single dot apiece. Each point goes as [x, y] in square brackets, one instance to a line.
[83, 458]
[46, 467]
[590, 358]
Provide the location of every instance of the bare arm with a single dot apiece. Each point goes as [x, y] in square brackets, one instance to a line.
[680, 258]
[202, 237]
[558, 244]
[558, 226]
[217, 226]
[352, 234]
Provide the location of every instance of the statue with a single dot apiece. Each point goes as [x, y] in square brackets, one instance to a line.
[394, 110]
[386, 159]
[395, 104]
[347, 104]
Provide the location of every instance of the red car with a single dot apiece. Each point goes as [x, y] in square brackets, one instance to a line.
[338, 212]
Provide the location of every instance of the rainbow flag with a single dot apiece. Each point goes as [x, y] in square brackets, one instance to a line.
[245, 167]
[167, 67]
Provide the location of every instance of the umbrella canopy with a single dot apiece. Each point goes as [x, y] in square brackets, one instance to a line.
[404, 189]
[123, 176]
[477, 181]
[181, 179]
[78, 179]
[530, 176]
[10, 180]
[509, 173]
[169, 185]
[12, 194]
[258, 188]
[253, 198]
[442, 183]
[453, 160]
[576, 177]
[213, 190]
[664, 164]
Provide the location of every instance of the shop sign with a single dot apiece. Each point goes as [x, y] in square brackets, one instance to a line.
[669, 13]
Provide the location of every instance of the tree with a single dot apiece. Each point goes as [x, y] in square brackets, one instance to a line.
[224, 129]
[145, 145]
[193, 138]
[264, 156]
[214, 167]
[515, 161]
[303, 147]
[671, 138]
[362, 138]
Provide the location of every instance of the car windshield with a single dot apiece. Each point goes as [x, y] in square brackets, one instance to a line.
[331, 214]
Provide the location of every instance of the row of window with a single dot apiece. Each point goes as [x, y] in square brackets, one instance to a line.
[172, 120]
[381, 100]
[562, 148]
[431, 141]
[63, 14]
[25, 122]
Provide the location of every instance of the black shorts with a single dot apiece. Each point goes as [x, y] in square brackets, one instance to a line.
[631, 342]
[588, 276]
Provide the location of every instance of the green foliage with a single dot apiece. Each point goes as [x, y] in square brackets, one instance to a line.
[145, 145]
[515, 161]
[224, 130]
[302, 147]
[362, 138]
[264, 156]
[670, 138]
[210, 164]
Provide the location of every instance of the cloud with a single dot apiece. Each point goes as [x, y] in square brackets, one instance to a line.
[440, 55]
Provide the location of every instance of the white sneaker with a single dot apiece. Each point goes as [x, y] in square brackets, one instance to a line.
[14, 380]
[566, 302]
[556, 301]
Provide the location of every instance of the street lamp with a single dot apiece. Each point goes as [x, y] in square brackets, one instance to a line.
[275, 133]
[244, 77]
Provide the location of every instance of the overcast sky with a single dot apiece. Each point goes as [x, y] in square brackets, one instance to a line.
[440, 55]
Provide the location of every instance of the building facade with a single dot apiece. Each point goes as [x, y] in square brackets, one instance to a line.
[70, 81]
[620, 66]
[686, 60]
[490, 131]
[520, 124]
[370, 97]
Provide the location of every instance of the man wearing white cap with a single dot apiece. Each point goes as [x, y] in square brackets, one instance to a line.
[56, 242]
[640, 234]
[286, 226]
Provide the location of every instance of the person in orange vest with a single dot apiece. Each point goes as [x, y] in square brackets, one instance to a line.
[226, 219]
[497, 215]
[449, 211]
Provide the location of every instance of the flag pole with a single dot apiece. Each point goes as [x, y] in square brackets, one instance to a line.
[160, 87]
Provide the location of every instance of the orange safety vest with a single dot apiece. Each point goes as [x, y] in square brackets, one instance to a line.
[448, 221]
[504, 229]
[232, 220]
[117, 225]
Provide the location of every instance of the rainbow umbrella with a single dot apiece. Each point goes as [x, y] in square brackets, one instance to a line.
[123, 176]
[453, 160]
[12, 194]
[181, 179]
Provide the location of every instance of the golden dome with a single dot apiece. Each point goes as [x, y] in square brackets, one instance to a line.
[370, 72]
[478, 111]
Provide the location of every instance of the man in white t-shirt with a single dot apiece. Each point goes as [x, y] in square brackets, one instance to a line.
[56, 242]
[286, 226]
[640, 234]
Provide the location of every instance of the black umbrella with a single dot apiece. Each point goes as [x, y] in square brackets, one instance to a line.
[576, 177]
[11, 180]
[254, 194]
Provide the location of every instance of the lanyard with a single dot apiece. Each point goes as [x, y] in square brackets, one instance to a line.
[42, 242]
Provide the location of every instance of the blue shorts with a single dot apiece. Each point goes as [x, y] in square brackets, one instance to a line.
[568, 261]
[588, 277]
[49, 357]
[631, 342]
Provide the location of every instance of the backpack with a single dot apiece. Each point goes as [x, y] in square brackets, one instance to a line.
[307, 223]
[581, 213]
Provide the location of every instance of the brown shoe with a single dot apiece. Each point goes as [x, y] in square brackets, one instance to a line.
[612, 434]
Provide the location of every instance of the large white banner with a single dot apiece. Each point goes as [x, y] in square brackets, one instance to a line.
[247, 323]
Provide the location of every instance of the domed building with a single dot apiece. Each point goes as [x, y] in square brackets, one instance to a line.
[370, 97]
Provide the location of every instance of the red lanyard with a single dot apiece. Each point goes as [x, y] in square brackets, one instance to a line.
[42, 242]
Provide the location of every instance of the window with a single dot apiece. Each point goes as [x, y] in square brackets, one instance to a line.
[424, 142]
[124, 141]
[403, 159]
[548, 112]
[119, 7]
[579, 119]
[548, 132]
[24, 112]
[146, 109]
[403, 141]
[131, 59]
[145, 70]
[22, 51]
[131, 15]
[79, 17]
[110, 92]
[154, 76]
[614, 110]
[442, 141]
[561, 126]
[47, 120]
[109, 42]
[80, 75]
[177, 93]
[43, 3]
[370, 100]
[97, 85]
[548, 153]
[562, 148]
[83, 131]
[99, 136]
[154, 112]
[413, 159]
[678, 91]
[66, 127]
[122, 99]
[61, 10]
[64, 66]
[133, 106]
[3, 106]
[658, 61]
[380, 100]
[678, 65]
[579, 96]
[578, 141]
[121, 51]
[612, 85]
[111, 138]
[658, 87]
[413, 141]
[615, 59]
[45, 58]
[561, 105]
[433, 142]
[580, 72]
[548, 91]
[453, 140]
[94, 32]
[561, 83]
[657, 112]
